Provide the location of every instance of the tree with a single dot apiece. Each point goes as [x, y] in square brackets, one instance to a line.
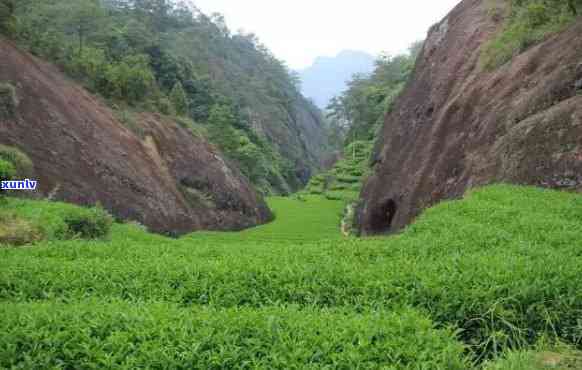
[167, 55]
[220, 23]
[82, 17]
[360, 110]
[6, 16]
[199, 92]
[572, 6]
[221, 128]
[250, 159]
[156, 12]
[179, 99]
[130, 80]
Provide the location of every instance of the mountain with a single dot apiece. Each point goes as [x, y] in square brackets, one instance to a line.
[464, 121]
[167, 57]
[166, 178]
[327, 76]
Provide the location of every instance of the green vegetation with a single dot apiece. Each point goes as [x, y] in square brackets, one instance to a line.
[13, 165]
[527, 23]
[168, 57]
[179, 99]
[355, 119]
[560, 358]
[118, 334]
[7, 172]
[358, 114]
[17, 231]
[24, 221]
[23, 166]
[344, 180]
[8, 101]
[494, 273]
[7, 16]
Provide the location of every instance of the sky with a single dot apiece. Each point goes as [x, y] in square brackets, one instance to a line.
[298, 31]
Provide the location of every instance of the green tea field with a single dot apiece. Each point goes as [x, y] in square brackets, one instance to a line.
[492, 281]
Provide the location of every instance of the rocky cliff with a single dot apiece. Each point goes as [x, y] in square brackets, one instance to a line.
[457, 125]
[165, 178]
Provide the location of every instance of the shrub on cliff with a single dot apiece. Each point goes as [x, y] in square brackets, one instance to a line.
[179, 99]
[528, 22]
[7, 170]
[8, 101]
[129, 80]
[6, 16]
[22, 164]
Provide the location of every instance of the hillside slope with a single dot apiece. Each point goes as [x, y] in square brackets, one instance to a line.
[167, 56]
[458, 125]
[167, 179]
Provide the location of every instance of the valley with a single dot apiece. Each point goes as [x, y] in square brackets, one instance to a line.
[192, 209]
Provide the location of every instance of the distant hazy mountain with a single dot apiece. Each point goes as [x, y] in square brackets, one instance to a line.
[327, 76]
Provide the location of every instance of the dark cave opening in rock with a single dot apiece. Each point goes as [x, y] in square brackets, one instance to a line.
[383, 216]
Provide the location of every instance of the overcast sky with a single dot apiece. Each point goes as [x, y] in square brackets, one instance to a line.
[298, 31]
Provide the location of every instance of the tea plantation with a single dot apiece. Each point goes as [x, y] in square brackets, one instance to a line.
[492, 281]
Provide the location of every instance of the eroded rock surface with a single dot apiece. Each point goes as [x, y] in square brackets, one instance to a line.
[164, 178]
[457, 126]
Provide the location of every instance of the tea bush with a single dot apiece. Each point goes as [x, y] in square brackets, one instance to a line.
[502, 266]
[91, 223]
[116, 334]
[54, 220]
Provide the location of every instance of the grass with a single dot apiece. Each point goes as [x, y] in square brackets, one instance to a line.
[344, 182]
[17, 231]
[471, 280]
[555, 357]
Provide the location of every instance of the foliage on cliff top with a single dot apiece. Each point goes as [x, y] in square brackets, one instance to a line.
[358, 113]
[526, 23]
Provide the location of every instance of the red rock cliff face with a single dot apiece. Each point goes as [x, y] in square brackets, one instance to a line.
[166, 179]
[457, 126]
